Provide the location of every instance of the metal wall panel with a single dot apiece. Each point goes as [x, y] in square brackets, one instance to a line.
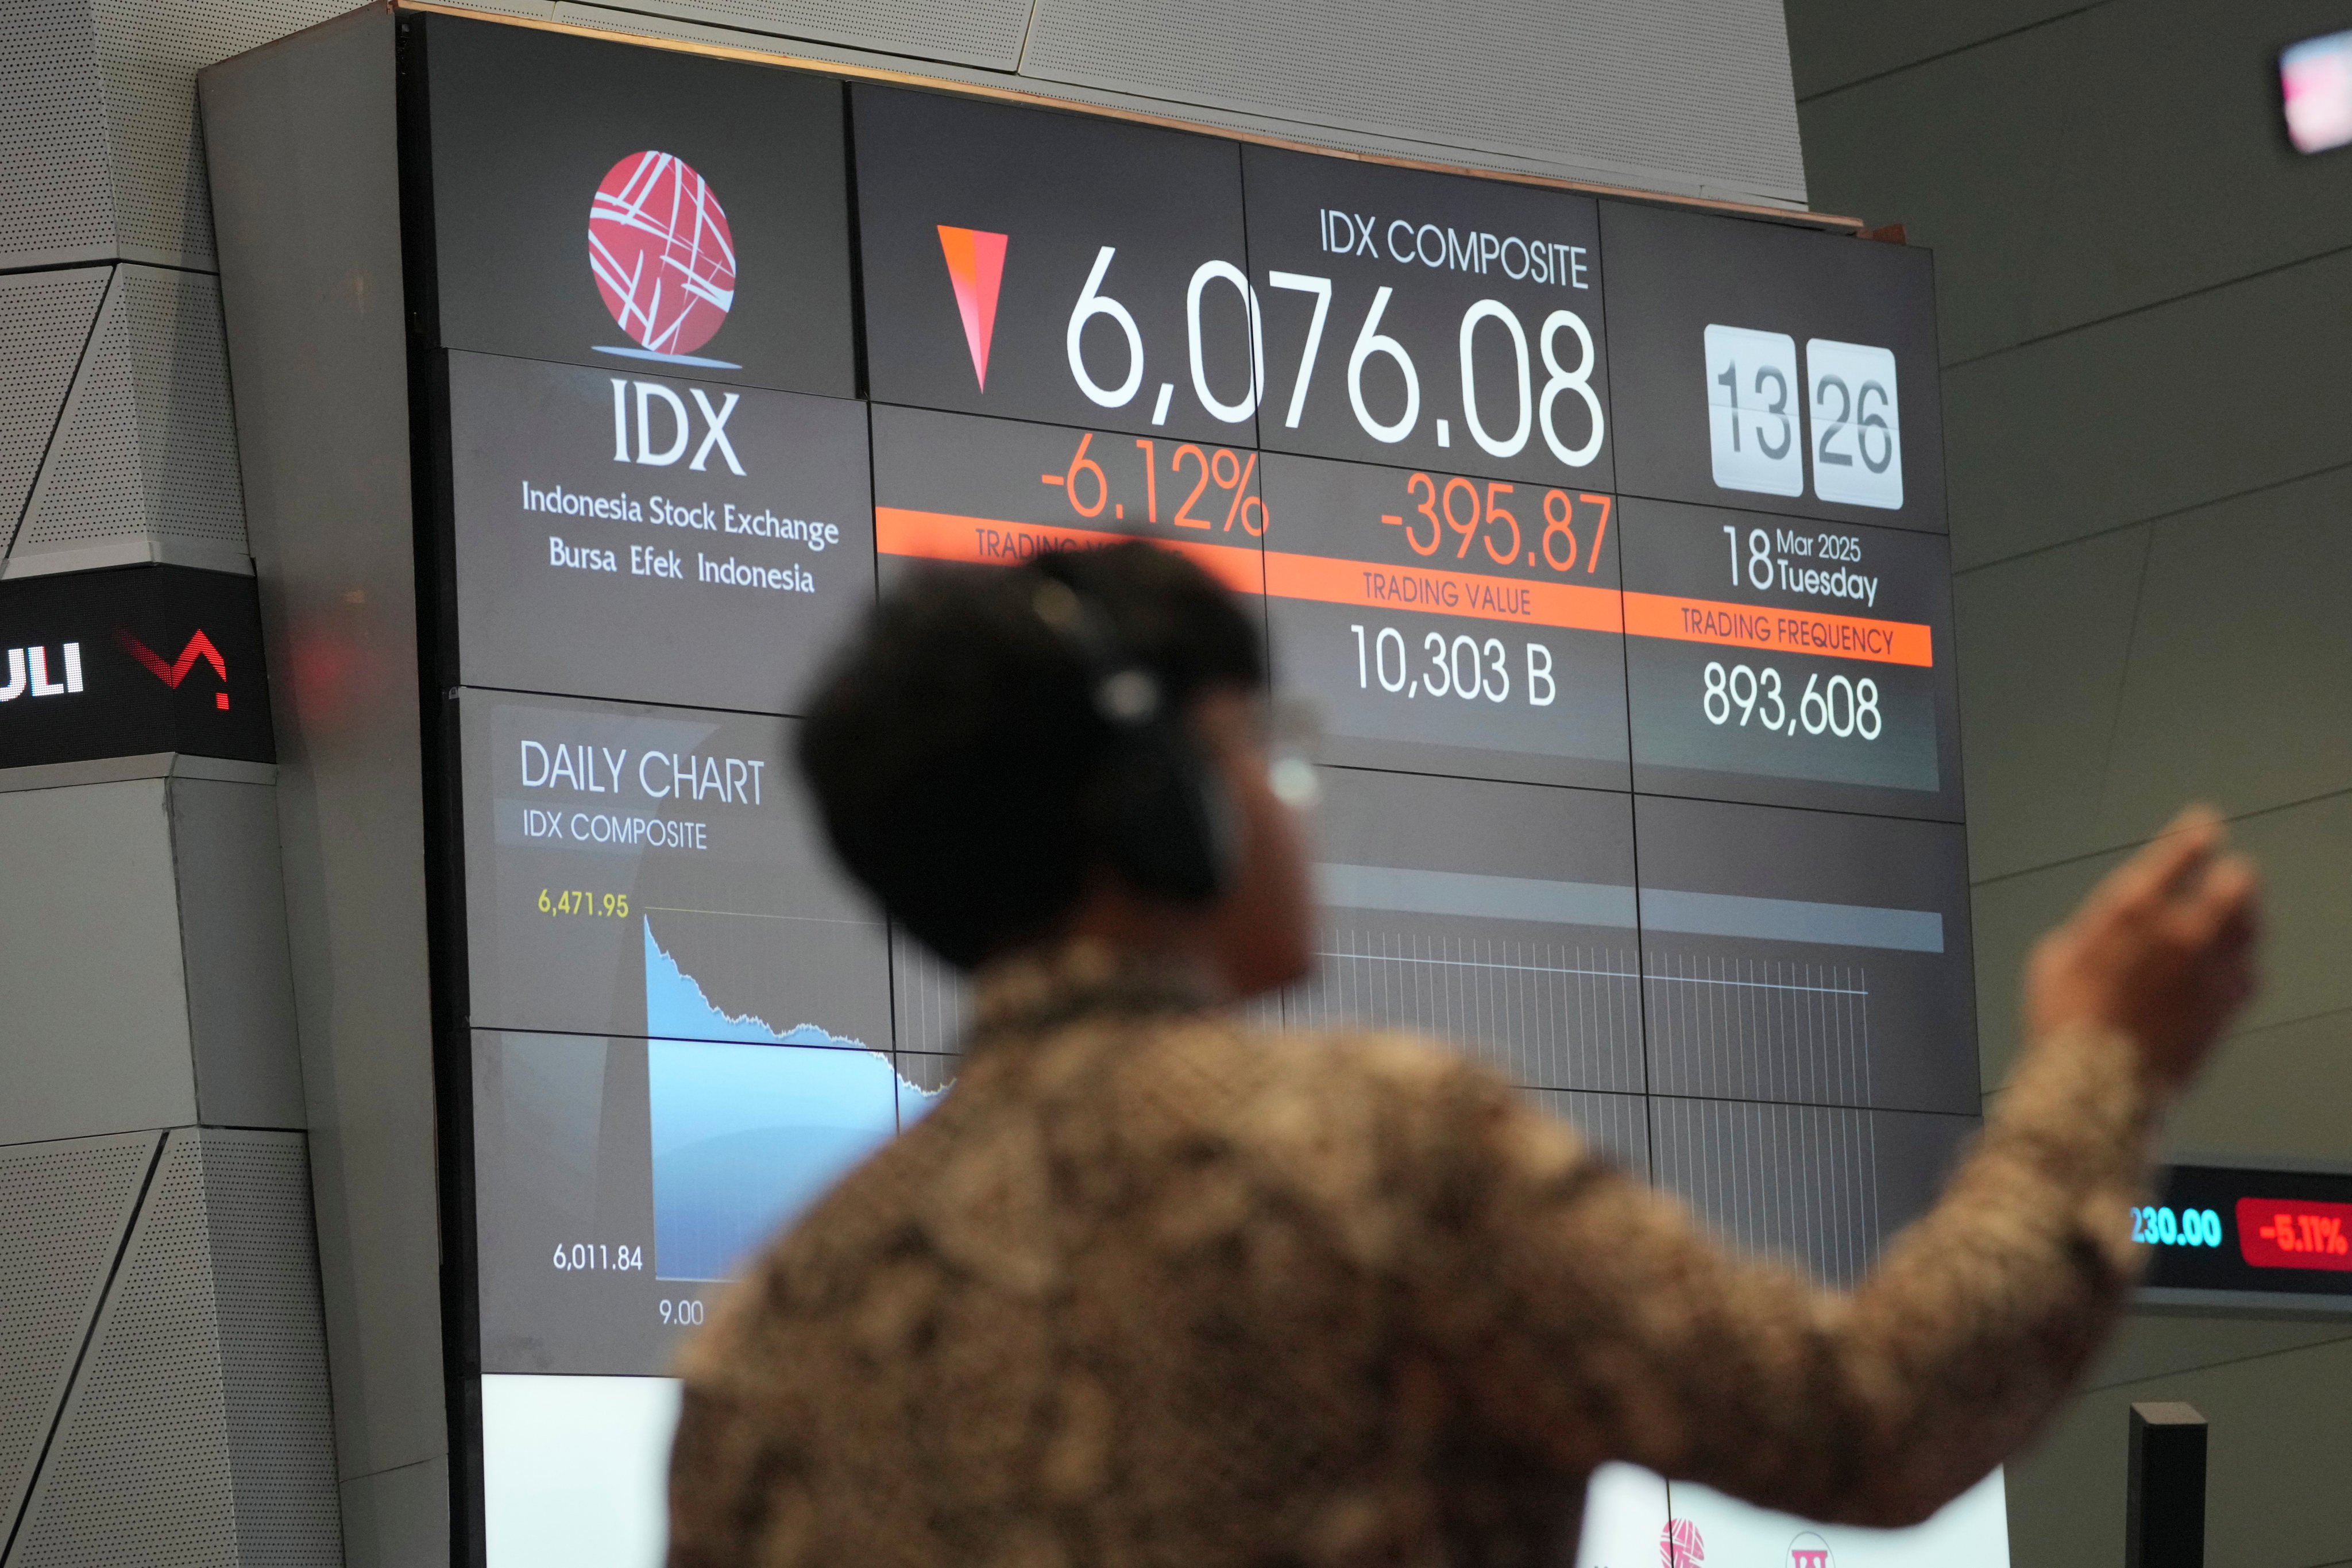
[99, 152]
[273, 1348]
[57, 186]
[90, 961]
[234, 947]
[146, 447]
[1688, 98]
[63, 1208]
[45, 322]
[1554, 137]
[196, 1430]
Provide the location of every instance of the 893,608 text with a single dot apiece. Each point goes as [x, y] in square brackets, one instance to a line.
[1842, 706]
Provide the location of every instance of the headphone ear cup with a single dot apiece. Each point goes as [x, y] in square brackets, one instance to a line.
[1164, 820]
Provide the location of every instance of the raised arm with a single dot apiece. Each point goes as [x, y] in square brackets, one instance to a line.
[1589, 1320]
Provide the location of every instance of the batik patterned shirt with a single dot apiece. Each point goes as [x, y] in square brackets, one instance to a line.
[1152, 1286]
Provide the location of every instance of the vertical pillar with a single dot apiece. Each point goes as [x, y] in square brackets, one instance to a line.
[2164, 1523]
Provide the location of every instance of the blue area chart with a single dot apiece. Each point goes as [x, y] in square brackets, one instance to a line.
[750, 1124]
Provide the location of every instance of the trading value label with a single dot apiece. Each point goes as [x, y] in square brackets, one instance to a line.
[627, 535]
[1429, 320]
[1448, 624]
[1043, 265]
[1790, 662]
[998, 492]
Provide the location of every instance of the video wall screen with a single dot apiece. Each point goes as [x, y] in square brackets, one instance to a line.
[1607, 539]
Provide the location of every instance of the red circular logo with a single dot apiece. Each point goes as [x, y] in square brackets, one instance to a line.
[1680, 1546]
[663, 260]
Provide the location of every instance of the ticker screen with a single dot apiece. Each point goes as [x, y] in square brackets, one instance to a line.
[1607, 540]
[2243, 1236]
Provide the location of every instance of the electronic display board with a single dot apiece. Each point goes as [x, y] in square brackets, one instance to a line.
[1790, 663]
[1426, 320]
[730, 532]
[635, 209]
[1044, 266]
[130, 661]
[1602, 536]
[1446, 624]
[1806, 957]
[2221, 1233]
[655, 871]
[1774, 368]
[950, 486]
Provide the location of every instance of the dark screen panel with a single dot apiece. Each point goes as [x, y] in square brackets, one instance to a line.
[619, 1181]
[724, 256]
[1496, 918]
[1616, 1124]
[653, 540]
[1429, 320]
[950, 486]
[1774, 368]
[646, 871]
[1824, 1186]
[1805, 956]
[1043, 265]
[1448, 625]
[930, 1001]
[1792, 663]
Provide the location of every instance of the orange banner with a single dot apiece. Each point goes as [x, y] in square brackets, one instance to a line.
[947, 536]
[1783, 631]
[1579, 605]
[989, 541]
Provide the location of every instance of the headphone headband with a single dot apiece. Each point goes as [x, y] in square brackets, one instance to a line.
[1161, 816]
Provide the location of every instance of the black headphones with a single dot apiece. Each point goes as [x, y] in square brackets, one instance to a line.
[1159, 814]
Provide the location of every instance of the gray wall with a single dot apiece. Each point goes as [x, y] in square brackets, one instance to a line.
[163, 1392]
[2149, 431]
[1689, 97]
[163, 1387]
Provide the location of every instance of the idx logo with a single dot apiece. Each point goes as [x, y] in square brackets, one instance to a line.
[672, 423]
[29, 671]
